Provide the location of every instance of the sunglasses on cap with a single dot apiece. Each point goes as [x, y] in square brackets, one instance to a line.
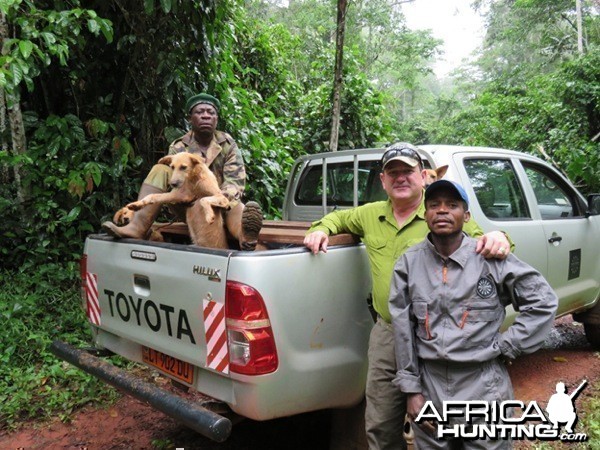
[406, 152]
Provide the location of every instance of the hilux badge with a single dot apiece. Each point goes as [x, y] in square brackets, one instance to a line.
[212, 274]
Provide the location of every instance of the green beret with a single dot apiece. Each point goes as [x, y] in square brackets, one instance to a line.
[202, 98]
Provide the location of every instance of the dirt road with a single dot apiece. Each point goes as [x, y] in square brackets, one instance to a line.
[130, 424]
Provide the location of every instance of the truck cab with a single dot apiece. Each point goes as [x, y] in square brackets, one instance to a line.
[554, 227]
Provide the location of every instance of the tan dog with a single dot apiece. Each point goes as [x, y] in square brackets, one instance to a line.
[432, 175]
[194, 186]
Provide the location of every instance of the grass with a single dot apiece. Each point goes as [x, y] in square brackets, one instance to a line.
[35, 309]
[589, 416]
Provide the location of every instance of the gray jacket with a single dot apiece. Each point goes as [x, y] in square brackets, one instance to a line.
[452, 309]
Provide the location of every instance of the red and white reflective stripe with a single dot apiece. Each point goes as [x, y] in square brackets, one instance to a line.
[91, 293]
[217, 352]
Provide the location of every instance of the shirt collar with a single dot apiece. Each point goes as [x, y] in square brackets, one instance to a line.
[188, 138]
[387, 213]
[462, 253]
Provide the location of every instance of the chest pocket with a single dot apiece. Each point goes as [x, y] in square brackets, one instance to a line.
[483, 311]
[481, 322]
[378, 245]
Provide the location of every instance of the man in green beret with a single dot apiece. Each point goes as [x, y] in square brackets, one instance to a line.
[222, 157]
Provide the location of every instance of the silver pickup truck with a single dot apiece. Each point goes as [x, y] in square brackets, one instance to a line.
[280, 331]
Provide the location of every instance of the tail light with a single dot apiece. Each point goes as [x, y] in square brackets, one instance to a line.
[251, 343]
[83, 274]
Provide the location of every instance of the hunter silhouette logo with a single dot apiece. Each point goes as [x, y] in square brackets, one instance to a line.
[561, 406]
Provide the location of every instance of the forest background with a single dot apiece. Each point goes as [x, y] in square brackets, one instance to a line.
[92, 93]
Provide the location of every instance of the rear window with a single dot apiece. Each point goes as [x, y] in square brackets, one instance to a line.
[340, 184]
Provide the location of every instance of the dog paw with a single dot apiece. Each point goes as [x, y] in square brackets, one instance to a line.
[210, 218]
[135, 206]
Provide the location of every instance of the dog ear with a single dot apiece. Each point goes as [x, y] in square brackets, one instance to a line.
[166, 160]
[196, 159]
[441, 171]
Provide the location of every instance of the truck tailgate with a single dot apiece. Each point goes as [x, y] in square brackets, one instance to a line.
[137, 302]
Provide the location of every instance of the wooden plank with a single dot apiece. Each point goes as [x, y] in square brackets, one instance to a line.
[281, 236]
[284, 224]
[180, 228]
[290, 236]
[273, 231]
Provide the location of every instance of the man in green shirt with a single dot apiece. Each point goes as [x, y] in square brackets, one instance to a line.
[387, 229]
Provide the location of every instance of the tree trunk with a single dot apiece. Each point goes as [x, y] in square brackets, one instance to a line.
[338, 80]
[19, 143]
[11, 100]
[579, 27]
[4, 177]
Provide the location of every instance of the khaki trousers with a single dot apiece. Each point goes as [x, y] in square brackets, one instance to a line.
[386, 405]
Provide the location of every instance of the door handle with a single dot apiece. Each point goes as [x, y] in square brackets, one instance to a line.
[141, 284]
[554, 239]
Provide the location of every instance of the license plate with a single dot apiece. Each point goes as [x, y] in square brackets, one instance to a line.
[181, 370]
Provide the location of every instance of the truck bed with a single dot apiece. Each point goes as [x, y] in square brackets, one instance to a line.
[155, 299]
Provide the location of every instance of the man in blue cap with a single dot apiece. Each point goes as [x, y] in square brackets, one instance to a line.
[447, 305]
[224, 159]
[388, 228]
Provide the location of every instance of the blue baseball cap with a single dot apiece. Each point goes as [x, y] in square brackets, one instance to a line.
[447, 184]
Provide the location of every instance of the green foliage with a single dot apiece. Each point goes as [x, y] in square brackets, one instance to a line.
[259, 101]
[557, 114]
[363, 120]
[66, 167]
[529, 37]
[591, 415]
[98, 119]
[44, 34]
[37, 307]
[380, 51]
[162, 444]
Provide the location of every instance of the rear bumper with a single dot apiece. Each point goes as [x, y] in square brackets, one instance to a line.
[201, 420]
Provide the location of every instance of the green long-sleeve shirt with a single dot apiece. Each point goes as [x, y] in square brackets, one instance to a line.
[384, 239]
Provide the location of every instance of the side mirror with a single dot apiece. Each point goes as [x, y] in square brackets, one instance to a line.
[593, 206]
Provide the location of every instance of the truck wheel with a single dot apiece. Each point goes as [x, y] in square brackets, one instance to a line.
[592, 333]
[348, 428]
